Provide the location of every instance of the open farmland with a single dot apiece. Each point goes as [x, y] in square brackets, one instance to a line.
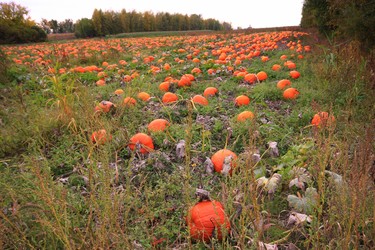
[295, 162]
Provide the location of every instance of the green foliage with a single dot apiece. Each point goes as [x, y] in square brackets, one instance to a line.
[346, 19]
[84, 28]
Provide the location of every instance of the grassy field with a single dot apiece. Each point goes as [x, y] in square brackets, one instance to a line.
[63, 188]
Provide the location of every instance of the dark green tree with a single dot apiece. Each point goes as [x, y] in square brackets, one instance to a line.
[84, 28]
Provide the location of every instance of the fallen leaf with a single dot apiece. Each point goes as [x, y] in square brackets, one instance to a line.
[298, 218]
[180, 149]
[209, 166]
[274, 151]
[202, 194]
[226, 165]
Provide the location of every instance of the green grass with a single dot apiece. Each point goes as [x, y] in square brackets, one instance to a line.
[60, 191]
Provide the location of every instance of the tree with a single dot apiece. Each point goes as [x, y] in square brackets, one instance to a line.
[12, 13]
[66, 26]
[125, 21]
[16, 27]
[196, 22]
[53, 25]
[84, 28]
[45, 26]
[98, 20]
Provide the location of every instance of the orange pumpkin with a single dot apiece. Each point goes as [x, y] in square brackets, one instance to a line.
[129, 101]
[100, 137]
[169, 97]
[322, 119]
[245, 115]
[294, 74]
[290, 93]
[290, 65]
[158, 125]
[282, 84]
[276, 67]
[145, 142]
[184, 81]
[262, 76]
[119, 92]
[283, 57]
[207, 218]
[100, 82]
[104, 106]
[219, 157]
[199, 99]
[210, 91]
[250, 78]
[242, 100]
[144, 96]
[164, 86]
[127, 78]
[167, 66]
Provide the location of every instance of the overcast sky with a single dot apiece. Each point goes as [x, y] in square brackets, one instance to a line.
[240, 13]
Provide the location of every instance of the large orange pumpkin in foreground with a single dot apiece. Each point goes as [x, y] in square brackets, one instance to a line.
[219, 157]
[207, 218]
[145, 141]
[322, 119]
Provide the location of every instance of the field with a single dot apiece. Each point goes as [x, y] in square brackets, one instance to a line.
[291, 162]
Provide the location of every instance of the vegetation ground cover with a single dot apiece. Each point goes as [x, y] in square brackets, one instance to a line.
[292, 184]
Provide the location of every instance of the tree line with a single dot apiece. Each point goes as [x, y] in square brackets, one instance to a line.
[110, 22]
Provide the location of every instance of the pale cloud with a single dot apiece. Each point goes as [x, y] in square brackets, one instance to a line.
[242, 13]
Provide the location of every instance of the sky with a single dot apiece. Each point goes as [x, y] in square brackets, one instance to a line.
[240, 13]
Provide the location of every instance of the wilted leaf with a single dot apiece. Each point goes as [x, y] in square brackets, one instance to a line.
[180, 149]
[273, 183]
[209, 166]
[274, 151]
[336, 177]
[256, 157]
[226, 166]
[297, 182]
[264, 246]
[304, 204]
[270, 184]
[202, 194]
[137, 246]
[298, 218]
[302, 176]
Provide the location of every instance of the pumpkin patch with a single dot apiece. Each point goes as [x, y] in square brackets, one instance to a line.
[187, 116]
